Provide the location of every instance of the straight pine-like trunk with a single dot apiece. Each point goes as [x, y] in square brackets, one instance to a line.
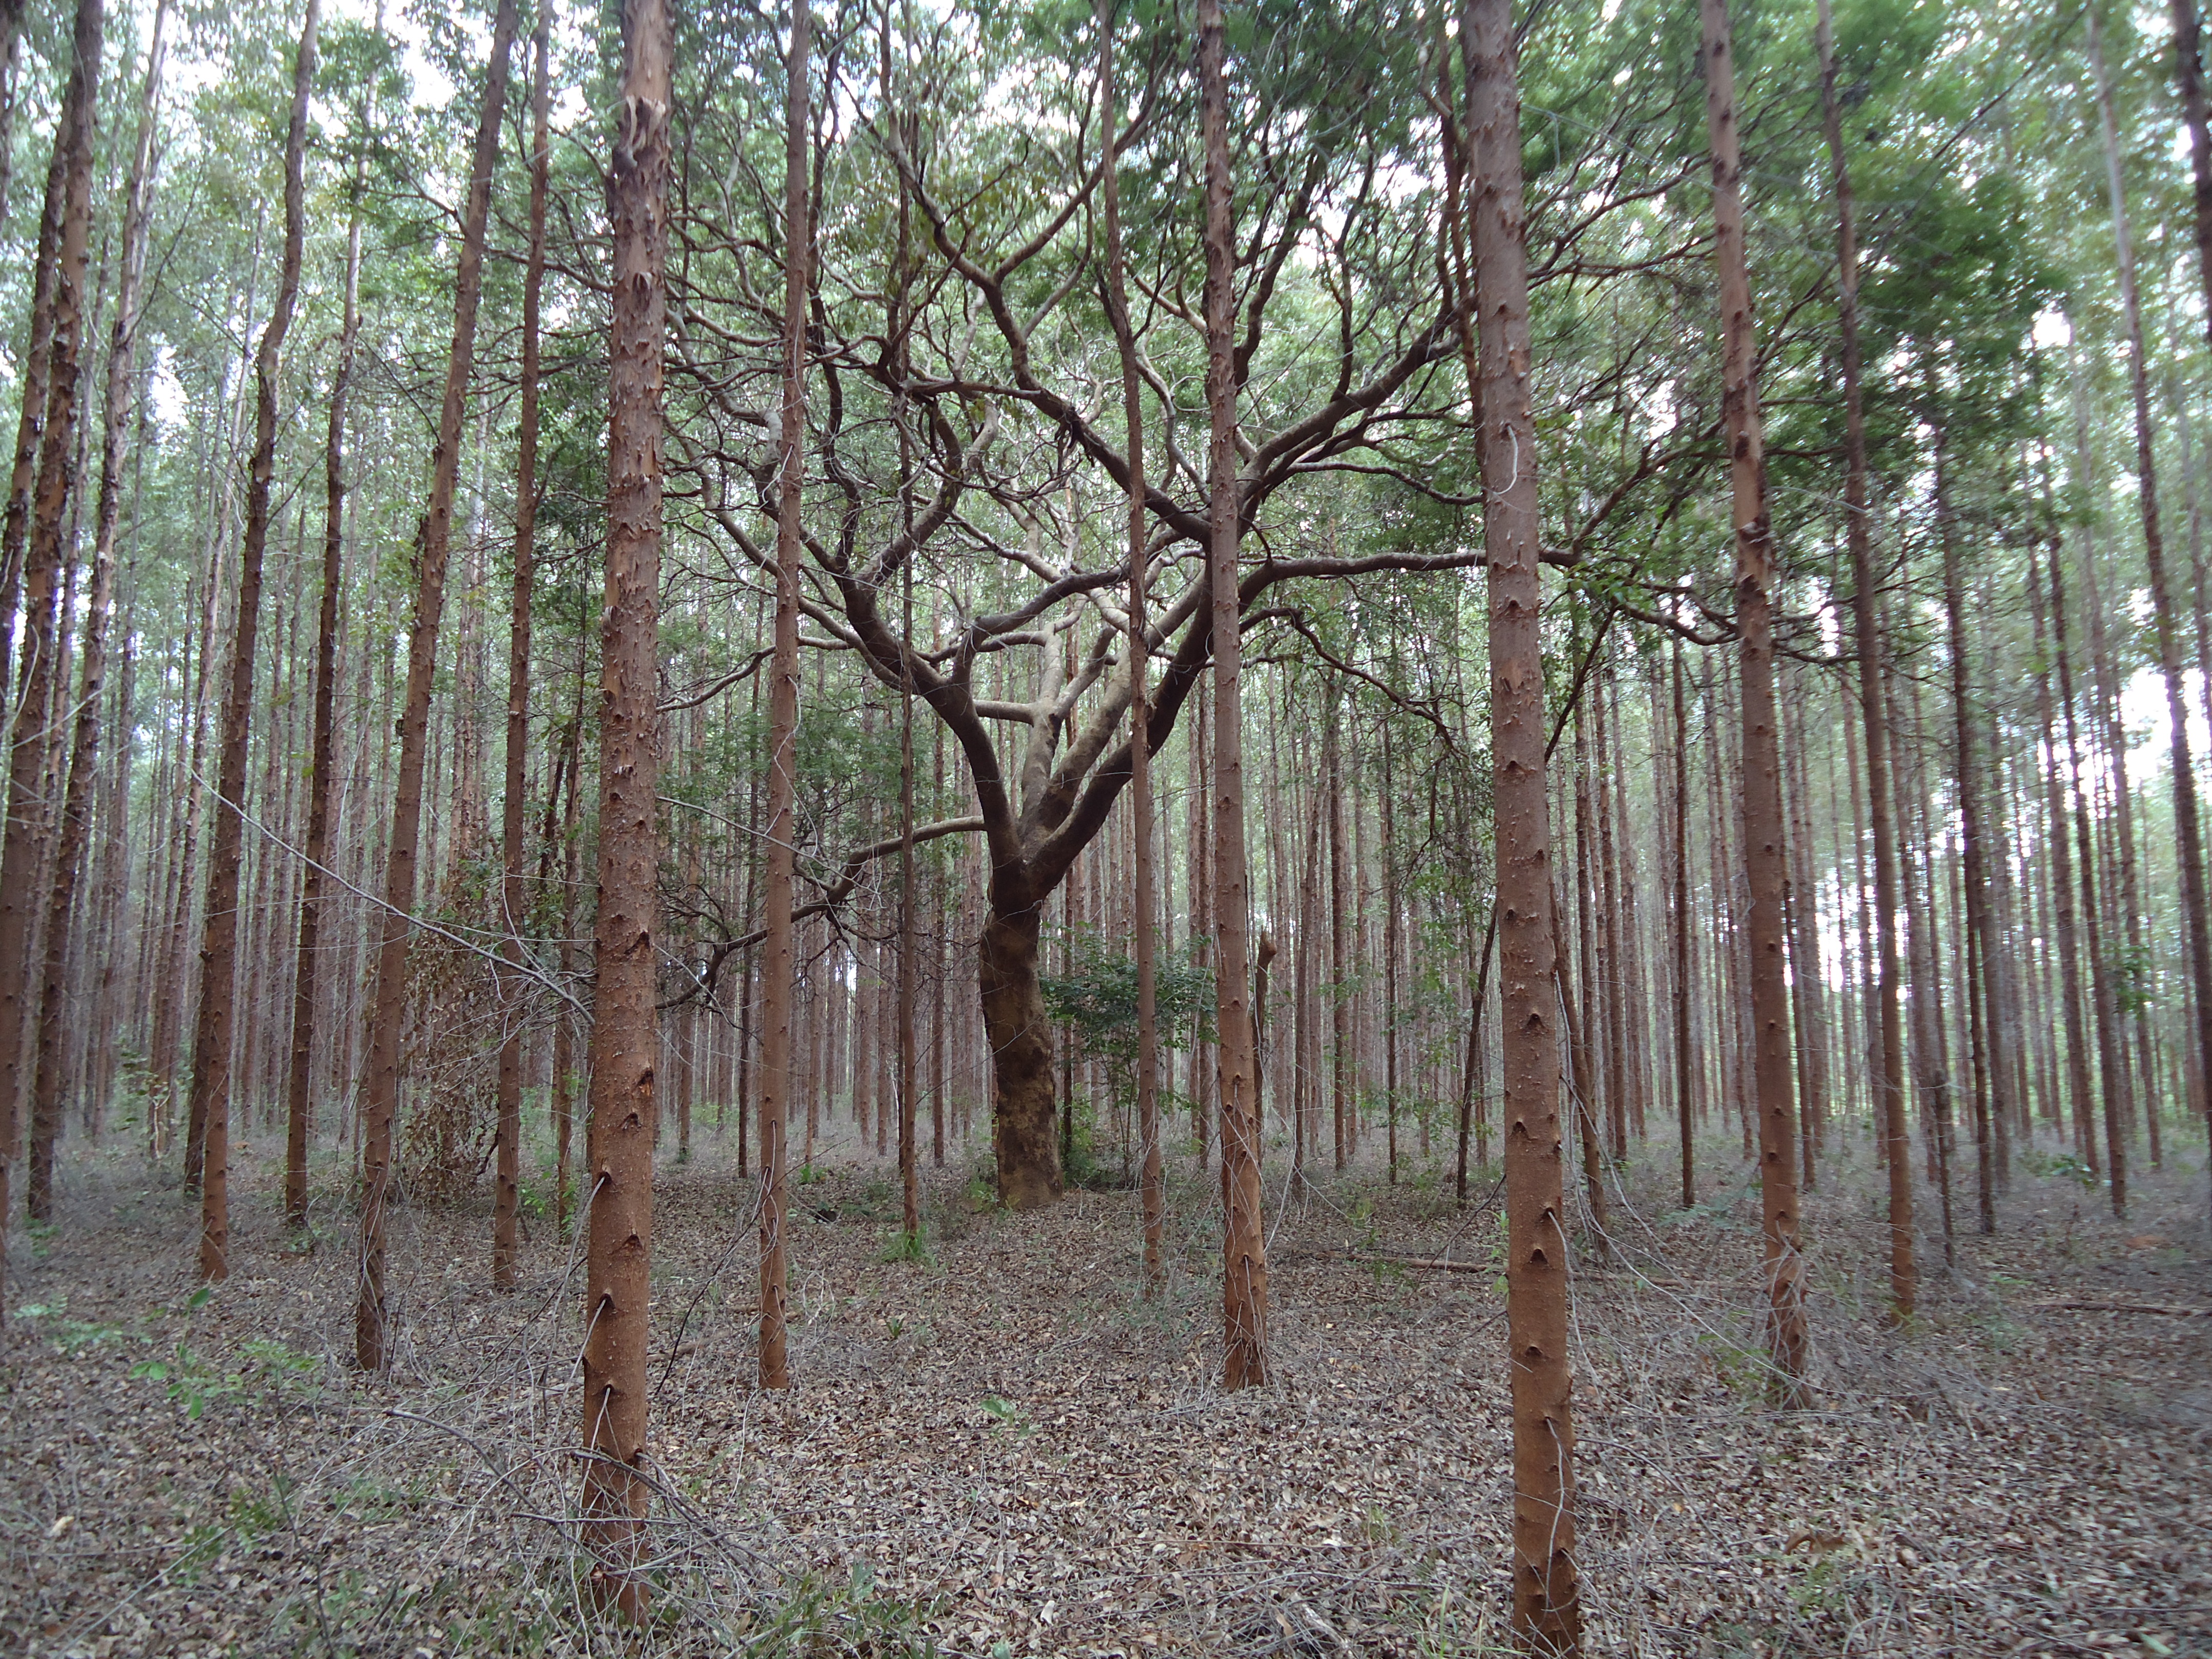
[118, 403]
[69, 211]
[1151, 1178]
[625, 1045]
[1903, 1273]
[1547, 1596]
[389, 1005]
[778, 960]
[1244, 1248]
[513, 891]
[322, 774]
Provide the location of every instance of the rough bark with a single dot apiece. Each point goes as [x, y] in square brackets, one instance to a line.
[1765, 855]
[31, 417]
[70, 213]
[322, 774]
[1685, 1070]
[2103, 1000]
[1546, 1597]
[1904, 1274]
[209, 1101]
[513, 891]
[625, 1044]
[1244, 1250]
[118, 402]
[1971, 854]
[2060, 885]
[778, 960]
[1340, 958]
[389, 1004]
[1150, 1177]
[2189, 834]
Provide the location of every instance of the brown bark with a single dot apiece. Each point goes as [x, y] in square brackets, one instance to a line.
[2189, 835]
[1685, 1070]
[31, 417]
[92, 654]
[322, 776]
[1904, 1274]
[1151, 1177]
[1546, 1597]
[1244, 1250]
[513, 891]
[70, 212]
[625, 1045]
[389, 1005]
[2060, 885]
[1981, 939]
[779, 961]
[564, 1027]
[1340, 959]
[212, 1038]
[1764, 853]
[2104, 1003]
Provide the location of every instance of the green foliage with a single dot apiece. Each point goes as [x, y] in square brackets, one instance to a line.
[1096, 1000]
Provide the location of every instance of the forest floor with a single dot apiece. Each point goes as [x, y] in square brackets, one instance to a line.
[1000, 1449]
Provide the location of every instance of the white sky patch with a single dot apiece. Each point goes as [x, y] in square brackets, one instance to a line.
[2150, 733]
[2051, 328]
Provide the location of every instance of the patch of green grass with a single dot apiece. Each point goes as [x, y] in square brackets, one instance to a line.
[904, 1246]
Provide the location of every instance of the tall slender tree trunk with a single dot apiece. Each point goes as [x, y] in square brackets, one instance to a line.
[322, 776]
[1547, 1596]
[2103, 1002]
[91, 652]
[625, 1046]
[1981, 938]
[31, 416]
[1764, 854]
[1150, 1177]
[1903, 1273]
[389, 1005]
[1244, 1250]
[513, 891]
[69, 211]
[2060, 885]
[779, 961]
[212, 1039]
[1684, 1062]
[1339, 956]
[2189, 834]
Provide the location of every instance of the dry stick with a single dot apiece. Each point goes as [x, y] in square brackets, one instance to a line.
[514, 898]
[84, 751]
[1151, 1176]
[432, 542]
[1245, 1255]
[1547, 1598]
[777, 958]
[1904, 1274]
[69, 205]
